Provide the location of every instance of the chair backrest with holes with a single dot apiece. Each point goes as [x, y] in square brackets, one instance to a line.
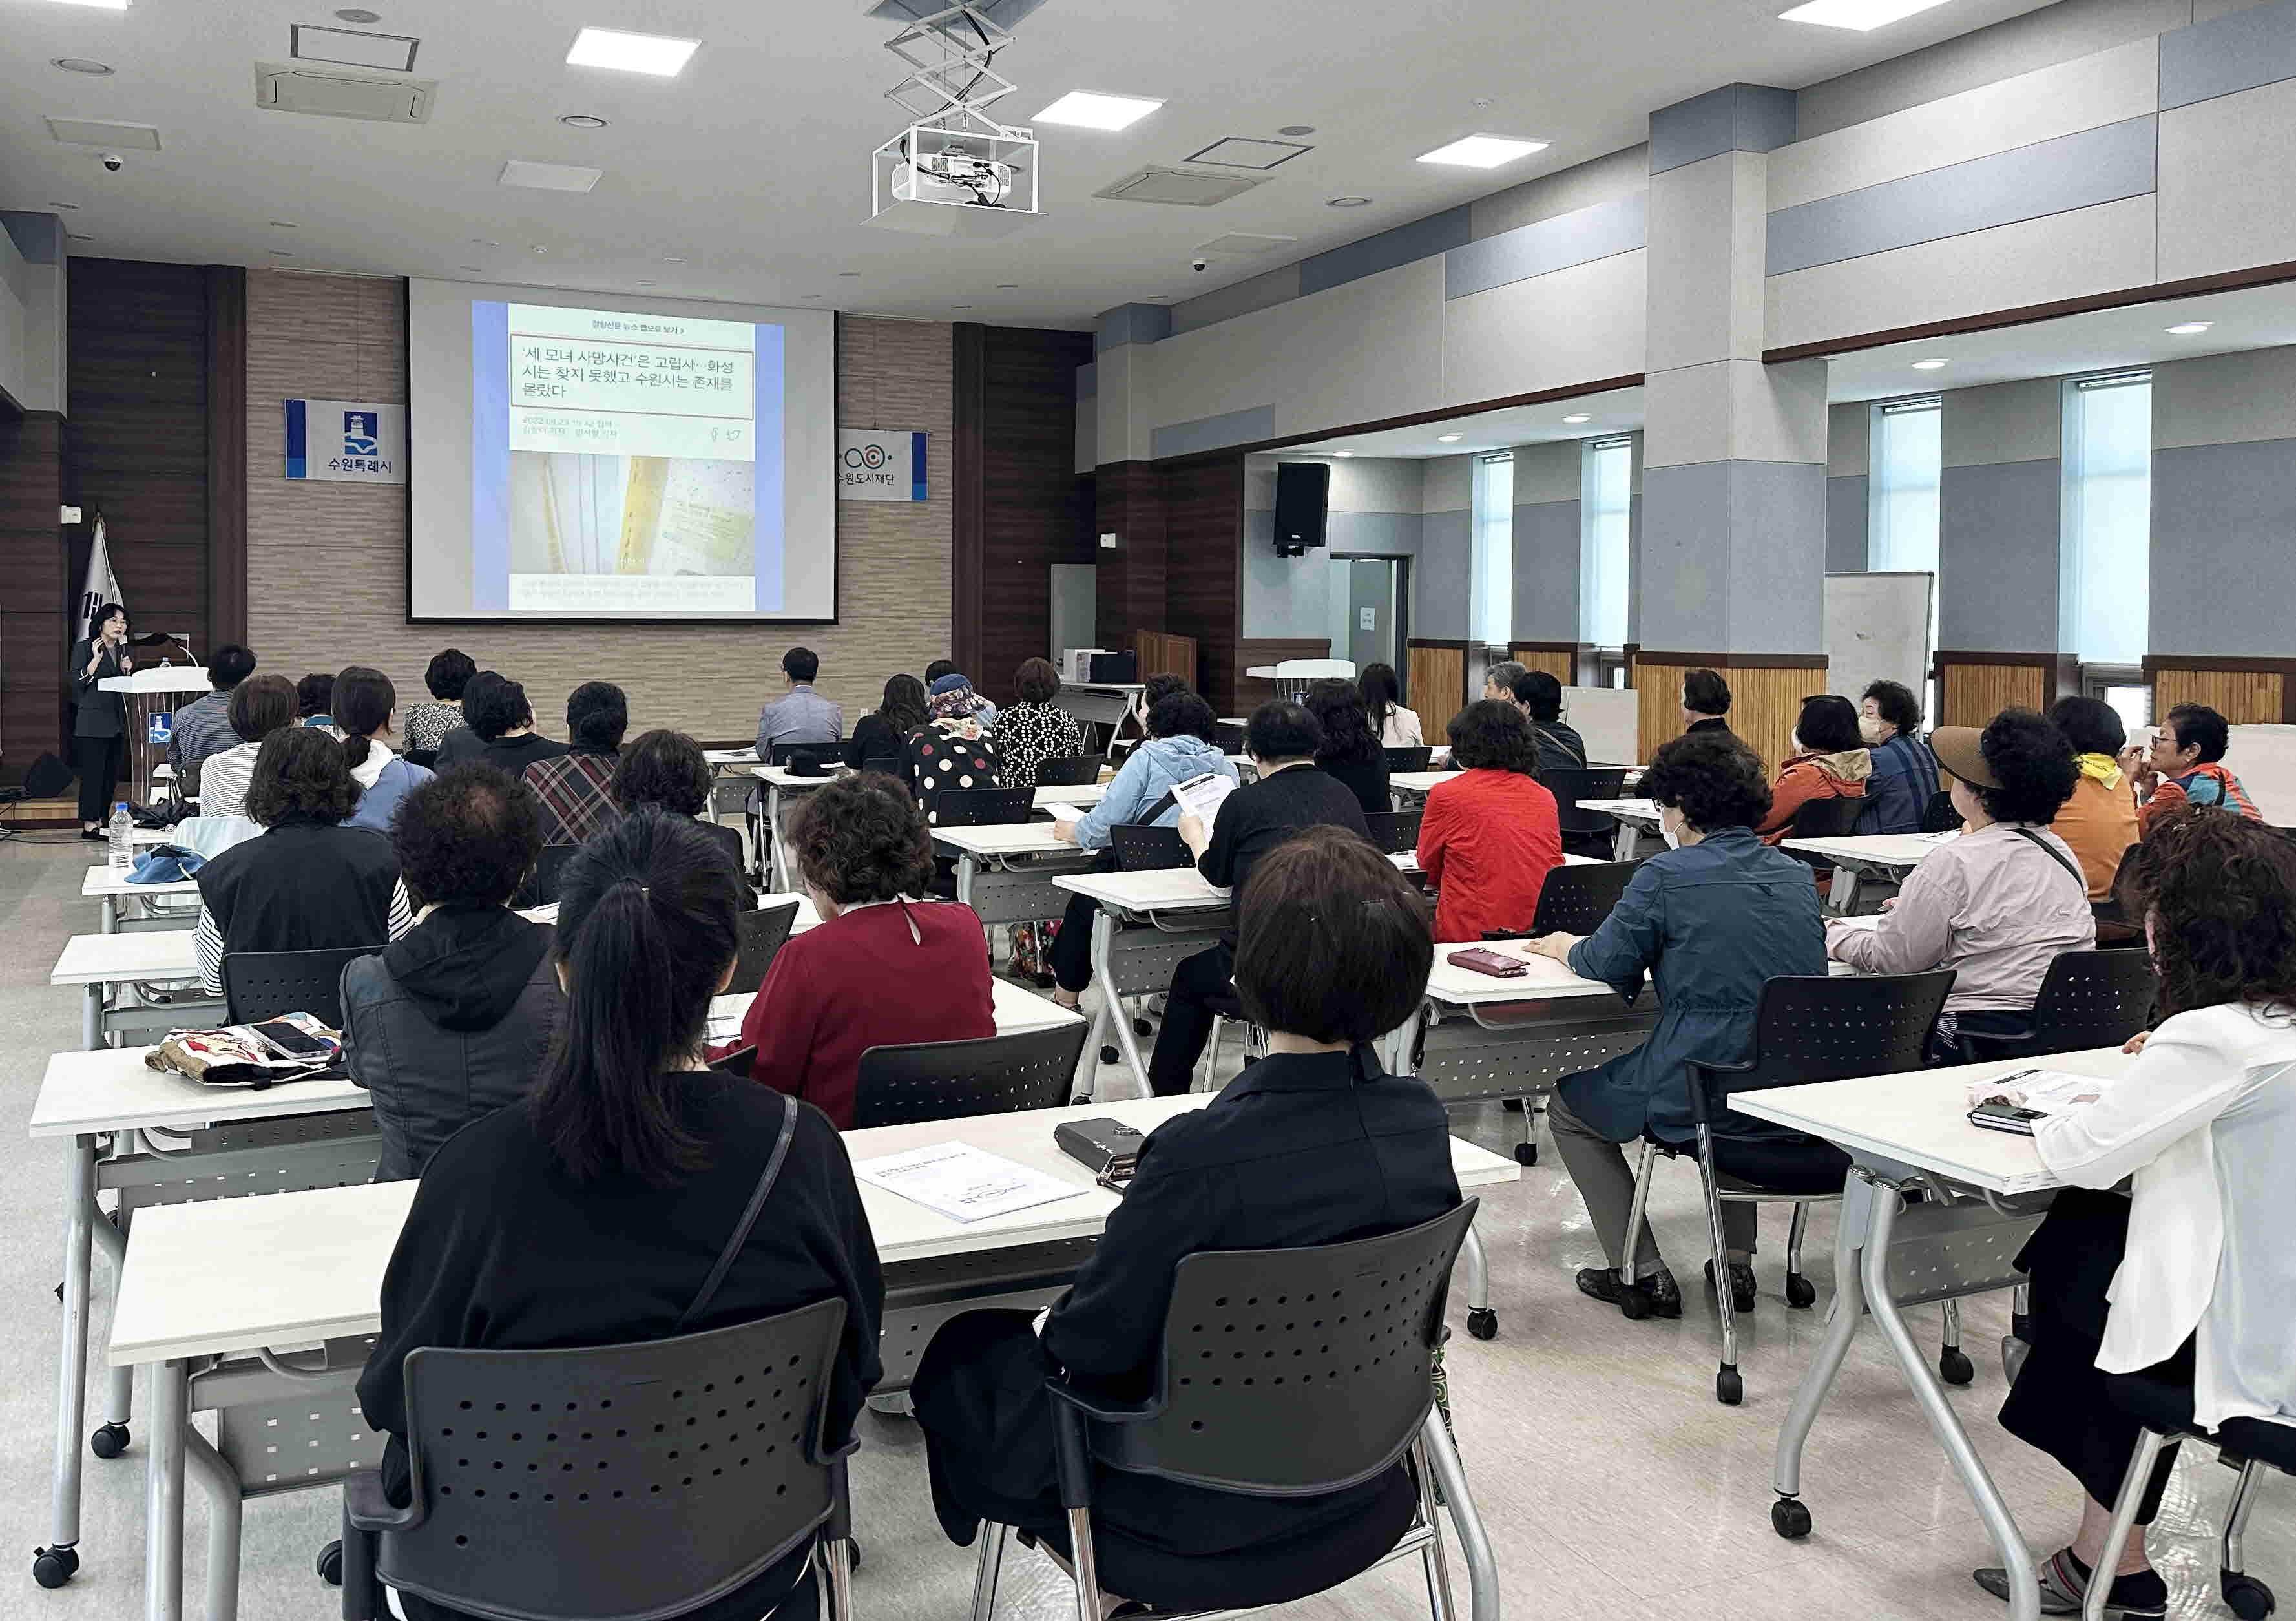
[1576, 900]
[948, 1080]
[763, 933]
[1294, 1373]
[616, 1480]
[1069, 771]
[1830, 1028]
[260, 985]
[1409, 758]
[983, 807]
[1393, 831]
[1143, 850]
[2088, 999]
[1569, 787]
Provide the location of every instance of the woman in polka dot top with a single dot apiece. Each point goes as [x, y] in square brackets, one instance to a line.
[952, 751]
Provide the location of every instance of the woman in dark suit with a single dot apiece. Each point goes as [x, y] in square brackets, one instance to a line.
[99, 718]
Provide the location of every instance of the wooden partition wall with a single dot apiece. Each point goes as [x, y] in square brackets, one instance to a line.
[1559, 659]
[1766, 694]
[1436, 683]
[1972, 688]
[1162, 651]
[2246, 692]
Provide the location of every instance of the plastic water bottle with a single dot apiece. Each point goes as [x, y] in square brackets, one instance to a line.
[121, 857]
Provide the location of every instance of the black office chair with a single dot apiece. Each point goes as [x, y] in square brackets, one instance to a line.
[1227, 739]
[1069, 771]
[1815, 1028]
[1939, 816]
[1143, 850]
[46, 777]
[609, 1480]
[1285, 1374]
[1415, 757]
[1394, 832]
[952, 1080]
[2087, 999]
[2114, 930]
[892, 765]
[260, 985]
[541, 886]
[1585, 833]
[1575, 900]
[983, 807]
[428, 759]
[763, 933]
[1833, 818]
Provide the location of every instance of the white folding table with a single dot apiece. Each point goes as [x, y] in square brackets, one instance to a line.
[1005, 873]
[1635, 817]
[110, 888]
[1887, 856]
[160, 957]
[1101, 703]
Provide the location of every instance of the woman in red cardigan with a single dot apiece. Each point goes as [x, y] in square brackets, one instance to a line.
[1490, 836]
[881, 970]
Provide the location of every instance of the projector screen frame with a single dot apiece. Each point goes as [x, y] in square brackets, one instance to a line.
[406, 359]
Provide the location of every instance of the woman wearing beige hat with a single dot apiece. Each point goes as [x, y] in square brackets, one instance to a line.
[1997, 903]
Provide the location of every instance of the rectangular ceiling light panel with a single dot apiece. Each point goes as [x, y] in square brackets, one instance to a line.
[654, 53]
[1862, 15]
[392, 52]
[101, 5]
[549, 177]
[1482, 151]
[1089, 109]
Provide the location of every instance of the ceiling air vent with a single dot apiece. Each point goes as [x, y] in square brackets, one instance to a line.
[336, 93]
[96, 132]
[1183, 188]
[1244, 245]
[1246, 152]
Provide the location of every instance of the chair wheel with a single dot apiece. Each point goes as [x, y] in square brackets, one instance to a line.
[330, 1564]
[1729, 1389]
[110, 1441]
[1800, 1293]
[1790, 1519]
[1483, 1324]
[1141, 1027]
[1526, 1153]
[2248, 1599]
[1954, 1367]
[53, 1566]
[1109, 1055]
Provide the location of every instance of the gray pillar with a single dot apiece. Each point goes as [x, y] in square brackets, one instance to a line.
[2000, 492]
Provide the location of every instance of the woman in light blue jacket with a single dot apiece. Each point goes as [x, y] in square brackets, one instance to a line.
[1178, 747]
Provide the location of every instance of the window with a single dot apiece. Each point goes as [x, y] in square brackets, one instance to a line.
[1494, 549]
[2105, 594]
[1907, 453]
[1605, 513]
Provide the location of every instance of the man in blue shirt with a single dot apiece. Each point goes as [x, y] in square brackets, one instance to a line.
[800, 715]
[1905, 772]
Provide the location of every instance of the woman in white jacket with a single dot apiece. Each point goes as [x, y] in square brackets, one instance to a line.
[2189, 1278]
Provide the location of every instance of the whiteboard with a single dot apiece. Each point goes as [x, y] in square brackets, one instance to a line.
[1608, 720]
[1877, 628]
[2264, 758]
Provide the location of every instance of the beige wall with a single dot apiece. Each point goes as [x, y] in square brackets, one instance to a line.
[326, 562]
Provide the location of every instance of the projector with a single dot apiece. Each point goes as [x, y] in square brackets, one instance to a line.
[941, 181]
[953, 178]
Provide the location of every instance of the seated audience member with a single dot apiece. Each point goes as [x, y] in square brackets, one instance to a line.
[503, 721]
[2099, 823]
[573, 786]
[1708, 919]
[1905, 772]
[952, 749]
[1162, 685]
[983, 711]
[800, 715]
[1499, 679]
[1290, 793]
[2184, 767]
[1036, 729]
[451, 1021]
[203, 727]
[668, 771]
[425, 724]
[1490, 836]
[880, 738]
[2185, 1280]
[1352, 752]
[1828, 761]
[364, 699]
[260, 705]
[315, 696]
[461, 746]
[882, 969]
[1399, 727]
[1539, 696]
[1705, 701]
[309, 882]
[1179, 746]
[633, 1195]
[1997, 903]
[1311, 1145]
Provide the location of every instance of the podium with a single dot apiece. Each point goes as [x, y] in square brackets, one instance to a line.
[147, 693]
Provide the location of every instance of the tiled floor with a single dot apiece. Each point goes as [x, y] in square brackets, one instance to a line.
[1612, 1483]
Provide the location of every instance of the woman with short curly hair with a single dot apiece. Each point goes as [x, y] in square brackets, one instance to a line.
[1490, 834]
[883, 968]
[309, 882]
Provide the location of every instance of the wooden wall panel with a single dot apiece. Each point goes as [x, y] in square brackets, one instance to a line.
[34, 632]
[1128, 589]
[1557, 659]
[327, 562]
[1765, 699]
[1972, 688]
[1203, 506]
[1160, 651]
[2243, 697]
[1436, 683]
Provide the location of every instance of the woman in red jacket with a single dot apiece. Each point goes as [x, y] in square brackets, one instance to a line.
[1490, 836]
[882, 970]
[1830, 761]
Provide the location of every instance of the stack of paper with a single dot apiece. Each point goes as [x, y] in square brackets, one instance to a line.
[962, 1182]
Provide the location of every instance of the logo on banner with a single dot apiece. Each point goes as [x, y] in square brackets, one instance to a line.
[877, 466]
[361, 435]
[345, 441]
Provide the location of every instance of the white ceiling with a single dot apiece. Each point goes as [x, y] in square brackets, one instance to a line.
[752, 167]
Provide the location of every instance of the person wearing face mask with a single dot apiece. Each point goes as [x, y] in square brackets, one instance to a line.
[1708, 921]
[1828, 762]
[1905, 772]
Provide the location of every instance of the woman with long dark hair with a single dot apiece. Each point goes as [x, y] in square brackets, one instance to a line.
[1396, 727]
[597, 1212]
[99, 718]
[1351, 751]
[882, 735]
[364, 699]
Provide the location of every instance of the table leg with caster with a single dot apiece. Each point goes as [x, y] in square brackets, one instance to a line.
[1104, 973]
[1788, 1515]
[225, 1510]
[54, 1565]
[1475, 1273]
[163, 1494]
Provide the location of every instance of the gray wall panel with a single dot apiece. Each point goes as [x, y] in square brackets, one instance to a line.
[1131, 323]
[1563, 192]
[1595, 233]
[1246, 427]
[1547, 549]
[1734, 118]
[1262, 291]
[1997, 557]
[2222, 516]
[1705, 583]
[1846, 547]
[1421, 239]
[1444, 577]
[2257, 47]
[2072, 171]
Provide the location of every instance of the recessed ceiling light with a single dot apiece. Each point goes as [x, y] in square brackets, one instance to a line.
[1008, 287]
[76, 236]
[284, 224]
[644, 283]
[538, 248]
[1296, 129]
[353, 14]
[1858, 14]
[1577, 417]
[581, 120]
[1482, 151]
[2185, 328]
[101, 5]
[69, 208]
[79, 64]
[1449, 438]
[1088, 109]
[960, 306]
[674, 258]
[473, 269]
[1929, 366]
[654, 53]
[849, 276]
[813, 295]
[1343, 453]
[1159, 297]
[282, 253]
